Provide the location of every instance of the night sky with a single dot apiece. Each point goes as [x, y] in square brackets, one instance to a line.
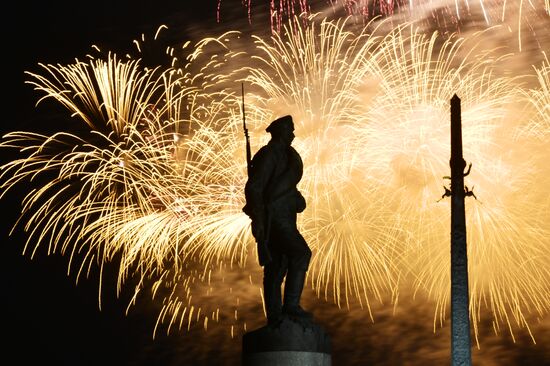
[48, 319]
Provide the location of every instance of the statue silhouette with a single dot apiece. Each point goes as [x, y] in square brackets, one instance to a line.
[273, 202]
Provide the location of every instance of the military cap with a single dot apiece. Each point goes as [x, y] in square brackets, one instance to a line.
[279, 123]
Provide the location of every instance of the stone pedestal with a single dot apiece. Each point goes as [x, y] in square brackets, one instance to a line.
[291, 343]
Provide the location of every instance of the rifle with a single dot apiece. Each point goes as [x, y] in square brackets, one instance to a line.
[248, 153]
[263, 252]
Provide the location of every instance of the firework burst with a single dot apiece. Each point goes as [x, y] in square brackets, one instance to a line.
[106, 181]
[158, 177]
[417, 79]
[388, 109]
[452, 15]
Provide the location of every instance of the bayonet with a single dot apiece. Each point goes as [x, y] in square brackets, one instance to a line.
[248, 153]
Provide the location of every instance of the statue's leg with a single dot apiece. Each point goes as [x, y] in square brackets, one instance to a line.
[274, 273]
[299, 256]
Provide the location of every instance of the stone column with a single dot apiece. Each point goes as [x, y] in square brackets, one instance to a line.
[460, 316]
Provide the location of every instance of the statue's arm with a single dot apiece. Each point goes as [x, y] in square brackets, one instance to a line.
[263, 165]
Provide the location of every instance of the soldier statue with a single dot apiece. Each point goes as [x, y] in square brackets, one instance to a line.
[272, 203]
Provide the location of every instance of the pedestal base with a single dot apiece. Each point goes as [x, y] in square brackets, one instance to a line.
[291, 343]
[287, 358]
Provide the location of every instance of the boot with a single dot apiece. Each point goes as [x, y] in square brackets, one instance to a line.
[293, 291]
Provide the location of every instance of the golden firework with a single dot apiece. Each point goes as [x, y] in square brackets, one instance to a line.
[157, 178]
